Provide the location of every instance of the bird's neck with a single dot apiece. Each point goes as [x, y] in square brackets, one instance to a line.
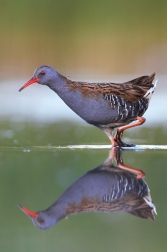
[58, 83]
[70, 92]
[55, 213]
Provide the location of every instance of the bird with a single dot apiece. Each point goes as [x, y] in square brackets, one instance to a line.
[104, 105]
[106, 188]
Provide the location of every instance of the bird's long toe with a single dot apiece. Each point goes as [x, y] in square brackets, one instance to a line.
[117, 139]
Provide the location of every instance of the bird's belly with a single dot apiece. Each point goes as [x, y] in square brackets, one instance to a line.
[102, 112]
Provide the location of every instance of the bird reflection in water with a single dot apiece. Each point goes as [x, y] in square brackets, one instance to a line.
[107, 188]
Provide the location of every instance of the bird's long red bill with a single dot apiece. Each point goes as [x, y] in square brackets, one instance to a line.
[28, 83]
[28, 212]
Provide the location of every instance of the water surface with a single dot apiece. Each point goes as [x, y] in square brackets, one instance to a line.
[36, 177]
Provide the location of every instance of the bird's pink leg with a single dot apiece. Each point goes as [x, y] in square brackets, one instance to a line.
[108, 132]
[120, 130]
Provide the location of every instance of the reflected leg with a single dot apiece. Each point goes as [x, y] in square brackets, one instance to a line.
[116, 153]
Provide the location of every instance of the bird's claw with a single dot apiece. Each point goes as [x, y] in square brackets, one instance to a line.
[118, 141]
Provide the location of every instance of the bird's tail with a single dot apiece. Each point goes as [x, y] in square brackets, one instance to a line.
[150, 92]
[146, 211]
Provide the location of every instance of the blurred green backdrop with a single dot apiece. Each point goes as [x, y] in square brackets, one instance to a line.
[107, 37]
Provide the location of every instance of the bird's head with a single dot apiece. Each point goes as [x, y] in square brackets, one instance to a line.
[40, 219]
[42, 75]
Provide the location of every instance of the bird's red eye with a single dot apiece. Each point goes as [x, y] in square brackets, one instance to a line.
[42, 73]
[41, 221]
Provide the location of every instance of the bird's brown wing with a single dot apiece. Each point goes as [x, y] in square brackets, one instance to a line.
[130, 203]
[132, 90]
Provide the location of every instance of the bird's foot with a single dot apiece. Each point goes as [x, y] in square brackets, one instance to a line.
[127, 145]
[117, 140]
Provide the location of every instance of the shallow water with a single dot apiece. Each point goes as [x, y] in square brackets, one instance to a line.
[36, 168]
